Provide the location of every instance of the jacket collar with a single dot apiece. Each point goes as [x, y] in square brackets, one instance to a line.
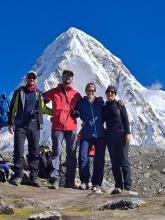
[65, 87]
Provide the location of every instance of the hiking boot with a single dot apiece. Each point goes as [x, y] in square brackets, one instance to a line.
[35, 182]
[116, 191]
[97, 189]
[16, 181]
[132, 193]
[89, 185]
[83, 186]
[54, 183]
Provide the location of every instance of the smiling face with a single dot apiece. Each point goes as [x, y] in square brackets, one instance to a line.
[90, 90]
[67, 77]
[67, 80]
[31, 79]
[110, 94]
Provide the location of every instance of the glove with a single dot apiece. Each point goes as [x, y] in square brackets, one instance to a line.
[75, 114]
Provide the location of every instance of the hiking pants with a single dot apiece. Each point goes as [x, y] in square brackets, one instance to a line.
[84, 172]
[118, 151]
[31, 132]
[91, 165]
[71, 161]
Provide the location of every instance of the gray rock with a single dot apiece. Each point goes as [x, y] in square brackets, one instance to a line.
[47, 215]
[2, 200]
[123, 204]
[4, 209]
[147, 168]
[163, 171]
[25, 203]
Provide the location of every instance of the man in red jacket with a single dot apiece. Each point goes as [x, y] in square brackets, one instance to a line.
[64, 126]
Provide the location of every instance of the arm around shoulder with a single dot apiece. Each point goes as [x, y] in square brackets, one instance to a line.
[45, 109]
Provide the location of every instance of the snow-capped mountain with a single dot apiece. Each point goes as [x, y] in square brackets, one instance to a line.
[92, 62]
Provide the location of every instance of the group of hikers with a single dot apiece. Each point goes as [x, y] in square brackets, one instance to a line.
[103, 124]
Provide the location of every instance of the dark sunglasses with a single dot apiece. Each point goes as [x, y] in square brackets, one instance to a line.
[91, 90]
[67, 73]
[111, 91]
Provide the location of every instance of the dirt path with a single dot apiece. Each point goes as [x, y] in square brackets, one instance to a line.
[75, 204]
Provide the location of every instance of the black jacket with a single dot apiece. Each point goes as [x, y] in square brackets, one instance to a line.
[16, 110]
[116, 118]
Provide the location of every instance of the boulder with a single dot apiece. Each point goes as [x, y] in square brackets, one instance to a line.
[47, 215]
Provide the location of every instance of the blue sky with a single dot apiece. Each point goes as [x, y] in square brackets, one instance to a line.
[133, 30]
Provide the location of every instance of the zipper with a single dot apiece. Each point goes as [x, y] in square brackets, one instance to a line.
[65, 117]
[93, 119]
[65, 114]
[65, 109]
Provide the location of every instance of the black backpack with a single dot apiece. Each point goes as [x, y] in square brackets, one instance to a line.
[45, 162]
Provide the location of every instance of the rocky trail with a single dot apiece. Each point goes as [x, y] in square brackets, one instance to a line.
[148, 172]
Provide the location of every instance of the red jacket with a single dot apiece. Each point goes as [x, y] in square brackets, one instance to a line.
[64, 99]
[92, 151]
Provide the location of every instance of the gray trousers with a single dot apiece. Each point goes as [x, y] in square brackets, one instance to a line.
[71, 161]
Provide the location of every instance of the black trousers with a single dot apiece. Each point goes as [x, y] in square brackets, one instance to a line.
[31, 132]
[118, 151]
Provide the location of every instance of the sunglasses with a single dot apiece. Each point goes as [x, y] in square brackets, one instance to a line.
[111, 91]
[91, 90]
[67, 73]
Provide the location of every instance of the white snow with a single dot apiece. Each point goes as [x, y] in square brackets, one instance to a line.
[91, 62]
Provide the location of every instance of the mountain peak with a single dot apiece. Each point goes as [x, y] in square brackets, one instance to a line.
[92, 62]
[72, 31]
[68, 40]
[70, 34]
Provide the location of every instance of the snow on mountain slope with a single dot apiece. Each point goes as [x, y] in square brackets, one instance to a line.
[91, 62]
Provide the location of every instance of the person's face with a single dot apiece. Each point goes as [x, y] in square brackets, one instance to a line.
[31, 80]
[110, 94]
[67, 79]
[90, 91]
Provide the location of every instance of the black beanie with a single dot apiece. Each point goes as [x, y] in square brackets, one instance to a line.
[111, 88]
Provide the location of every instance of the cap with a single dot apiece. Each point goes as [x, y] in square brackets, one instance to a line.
[113, 88]
[32, 73]
[67, 73]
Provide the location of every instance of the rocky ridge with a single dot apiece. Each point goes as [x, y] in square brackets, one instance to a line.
[148, 180]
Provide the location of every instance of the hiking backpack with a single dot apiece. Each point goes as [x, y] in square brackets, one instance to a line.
[4, 110]
[45, 162]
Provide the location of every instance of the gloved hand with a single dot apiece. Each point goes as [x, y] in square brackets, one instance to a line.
[75, 114]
